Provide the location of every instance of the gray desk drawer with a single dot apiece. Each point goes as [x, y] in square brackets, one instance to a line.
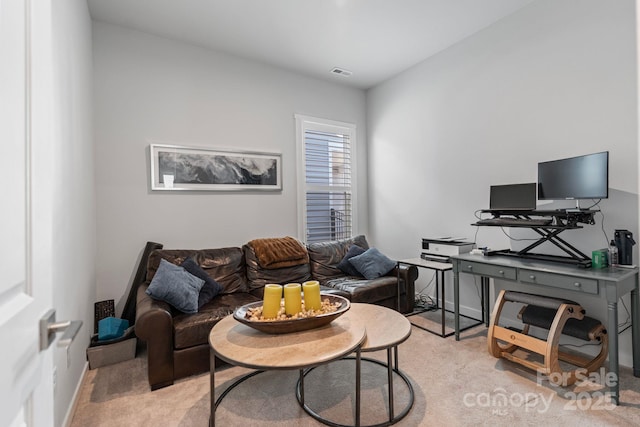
[579, 284]
[479, 268]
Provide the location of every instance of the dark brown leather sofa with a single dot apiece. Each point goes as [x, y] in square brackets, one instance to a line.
[177, 343]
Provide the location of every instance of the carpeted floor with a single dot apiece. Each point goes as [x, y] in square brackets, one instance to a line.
[455, 384]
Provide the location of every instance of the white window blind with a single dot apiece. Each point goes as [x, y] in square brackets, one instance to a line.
[327, 170]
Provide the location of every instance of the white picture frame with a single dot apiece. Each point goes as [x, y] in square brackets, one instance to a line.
[182, 168]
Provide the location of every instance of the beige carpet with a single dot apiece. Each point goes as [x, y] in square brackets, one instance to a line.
[455, 384]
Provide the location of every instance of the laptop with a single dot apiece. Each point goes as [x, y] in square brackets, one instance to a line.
[513, 197]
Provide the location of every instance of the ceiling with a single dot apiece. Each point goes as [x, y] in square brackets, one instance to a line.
[374, 39]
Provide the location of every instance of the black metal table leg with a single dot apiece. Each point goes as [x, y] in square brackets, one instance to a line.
[393, 418]
[212, 385]
[390, 384]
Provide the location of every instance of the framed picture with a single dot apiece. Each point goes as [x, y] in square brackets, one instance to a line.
[195, 168]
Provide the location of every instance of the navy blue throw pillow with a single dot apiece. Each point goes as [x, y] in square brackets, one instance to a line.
[345, 266]
[210, 289]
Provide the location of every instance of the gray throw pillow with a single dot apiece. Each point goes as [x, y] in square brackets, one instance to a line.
[345, 266]
[176, 286]
[372, 264]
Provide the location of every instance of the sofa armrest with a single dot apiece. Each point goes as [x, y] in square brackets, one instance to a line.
[154, 325]
[408, 274]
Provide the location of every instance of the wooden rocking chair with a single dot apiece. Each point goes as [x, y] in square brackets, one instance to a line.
[558, 316]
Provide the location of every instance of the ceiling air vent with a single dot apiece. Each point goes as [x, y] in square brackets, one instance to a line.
[341, 72]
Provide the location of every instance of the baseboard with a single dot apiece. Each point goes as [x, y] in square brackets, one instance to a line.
[474, 312]
[74, 400]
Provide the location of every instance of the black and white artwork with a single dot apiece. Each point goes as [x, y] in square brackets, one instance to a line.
[191, 168]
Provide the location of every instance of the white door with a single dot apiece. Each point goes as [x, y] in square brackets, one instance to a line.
[26, 372]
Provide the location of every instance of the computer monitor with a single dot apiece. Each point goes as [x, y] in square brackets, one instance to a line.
[574, 178]
[513, 197]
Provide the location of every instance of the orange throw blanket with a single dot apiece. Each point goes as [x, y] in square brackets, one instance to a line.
[279, 252]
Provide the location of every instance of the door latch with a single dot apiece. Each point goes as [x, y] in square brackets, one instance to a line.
[49, 327]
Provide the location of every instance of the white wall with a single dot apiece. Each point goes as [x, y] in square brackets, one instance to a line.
[554, 80]
[150, 89]
[74, 238]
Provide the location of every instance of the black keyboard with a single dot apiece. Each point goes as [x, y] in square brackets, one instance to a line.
[508, 222]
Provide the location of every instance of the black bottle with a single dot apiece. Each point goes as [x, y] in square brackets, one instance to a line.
[624, 241]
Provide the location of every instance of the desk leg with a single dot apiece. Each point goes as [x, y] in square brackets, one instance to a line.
[635, 328]
[485, 308]
[456, 302]
[612, 310]
[438, 292]
[440, 281]
[212, 370]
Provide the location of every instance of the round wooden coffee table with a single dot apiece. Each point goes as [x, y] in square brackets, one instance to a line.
[386, 329]
[241, 345]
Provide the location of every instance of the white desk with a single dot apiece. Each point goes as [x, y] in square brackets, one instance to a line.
[609, 284]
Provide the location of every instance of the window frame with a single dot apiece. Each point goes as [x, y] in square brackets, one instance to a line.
[304, 123]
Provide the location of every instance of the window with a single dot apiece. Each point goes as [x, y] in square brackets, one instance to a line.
[326, 177]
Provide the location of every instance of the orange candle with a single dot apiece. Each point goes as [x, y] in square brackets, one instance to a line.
[311, 291]
[292, 299]
[271, 301]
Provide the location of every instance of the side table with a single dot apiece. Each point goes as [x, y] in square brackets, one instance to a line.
[440, 268]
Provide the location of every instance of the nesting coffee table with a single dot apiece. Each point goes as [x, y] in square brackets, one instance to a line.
[241, 345]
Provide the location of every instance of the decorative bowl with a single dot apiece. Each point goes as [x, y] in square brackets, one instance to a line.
[292, 325]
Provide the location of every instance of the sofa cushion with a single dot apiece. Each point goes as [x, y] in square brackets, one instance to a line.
[224, 265]
[324, 257]
[174, 256]
[345, 266]
[193, 329]
[367, 291]
[257, 276]
[210, 289]
[372, 263]
[176, 286]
